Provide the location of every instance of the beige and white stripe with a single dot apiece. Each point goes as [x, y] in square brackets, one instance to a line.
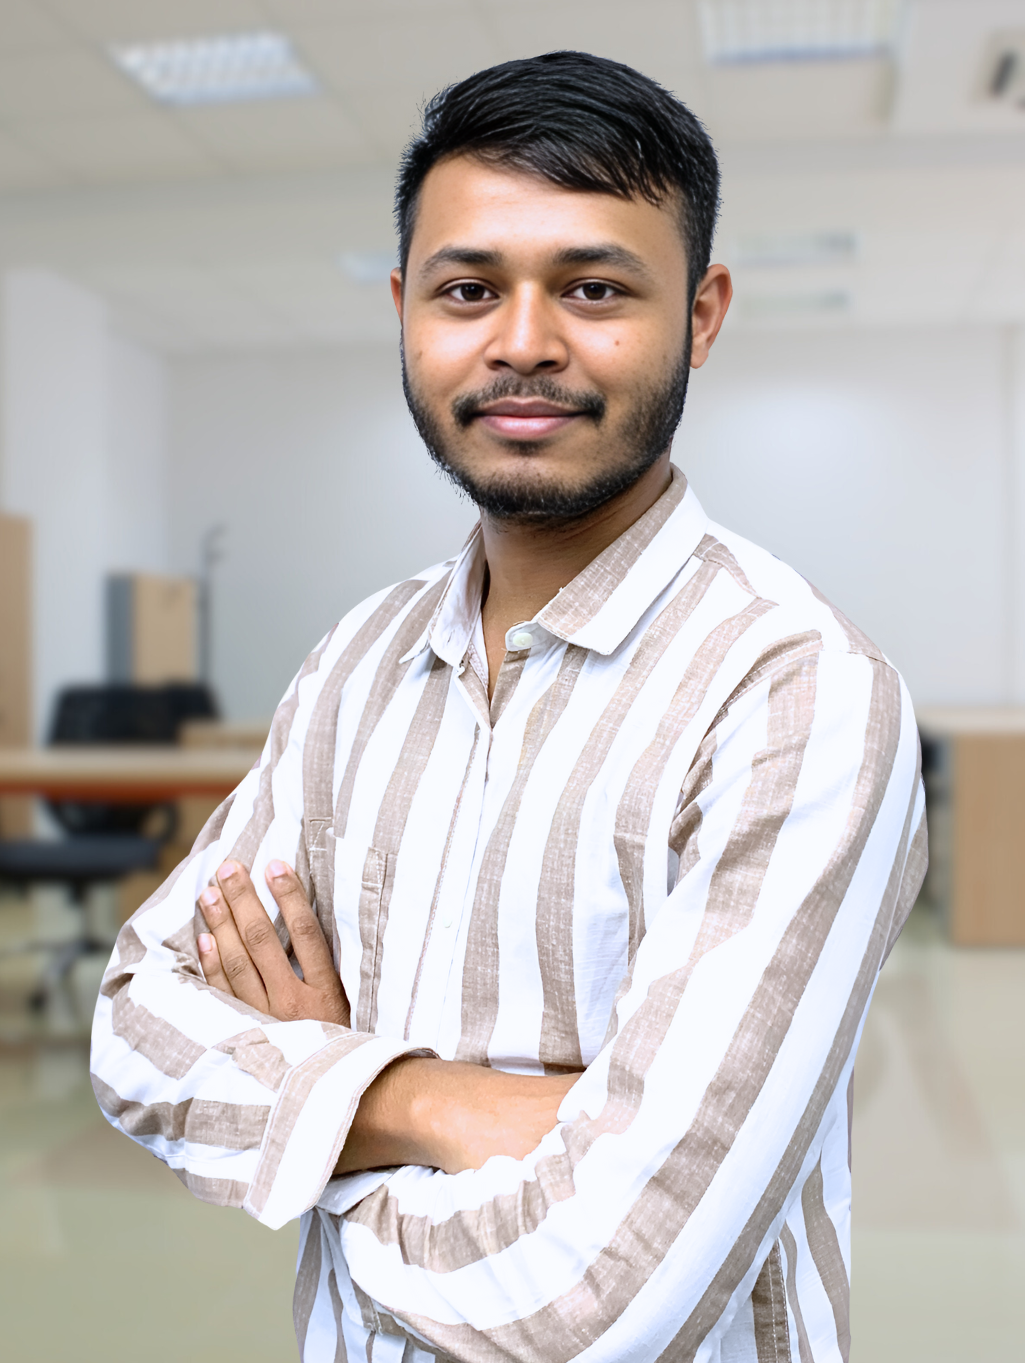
[672, 853]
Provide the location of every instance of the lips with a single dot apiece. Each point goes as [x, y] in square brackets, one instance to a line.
[525, 418]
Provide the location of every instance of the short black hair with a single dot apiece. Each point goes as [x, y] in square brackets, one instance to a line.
[581, 121]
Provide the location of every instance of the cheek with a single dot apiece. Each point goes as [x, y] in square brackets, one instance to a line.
[615, 359]
[444, 356]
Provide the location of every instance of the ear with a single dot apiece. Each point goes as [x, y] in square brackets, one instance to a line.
[710, 306]
[396, 291]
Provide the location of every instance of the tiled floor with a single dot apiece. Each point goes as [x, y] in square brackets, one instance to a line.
[106, 1257]
[939, 1157]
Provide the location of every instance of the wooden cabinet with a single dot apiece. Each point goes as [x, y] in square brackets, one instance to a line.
[975, 786]
[151, 628]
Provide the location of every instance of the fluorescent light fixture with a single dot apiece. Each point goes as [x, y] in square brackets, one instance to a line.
[368, 267]
[796, 306]
[796, 30]
[217, 70]
[765, 250]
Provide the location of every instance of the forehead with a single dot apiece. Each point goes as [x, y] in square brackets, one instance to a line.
[469, 202]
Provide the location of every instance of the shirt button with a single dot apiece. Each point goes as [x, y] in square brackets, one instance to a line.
[446, 922]
[521, 639]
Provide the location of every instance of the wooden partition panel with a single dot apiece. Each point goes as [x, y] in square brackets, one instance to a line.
[15, 658]
[988, 831]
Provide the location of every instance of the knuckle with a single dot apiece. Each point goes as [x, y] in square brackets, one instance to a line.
[235, 966]
[257, 935]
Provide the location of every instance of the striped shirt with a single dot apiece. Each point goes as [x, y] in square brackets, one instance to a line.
[674, 850]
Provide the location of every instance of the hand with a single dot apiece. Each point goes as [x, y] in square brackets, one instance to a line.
[242, 954]
[449, 1115]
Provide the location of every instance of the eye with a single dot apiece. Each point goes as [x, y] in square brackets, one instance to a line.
[469, 293]
[594, 291]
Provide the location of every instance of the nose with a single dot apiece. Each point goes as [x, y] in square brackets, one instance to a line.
[527, 336]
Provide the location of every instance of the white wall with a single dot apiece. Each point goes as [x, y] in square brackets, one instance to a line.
[83, 455]
[877, 463]
[313, 465]
[881, 465]
[136, 473]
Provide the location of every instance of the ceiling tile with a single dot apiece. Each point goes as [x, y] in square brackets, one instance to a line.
[24, 27]
[423, 54]
[295, 12]
[287, 134]
[190, 301]
[943, 67]
[22, 168]
[805, 100]
[140, 146]
[661, 39]
[316, 299]
[107, 21]
[305, 286]
[389, 117]
[65, 81]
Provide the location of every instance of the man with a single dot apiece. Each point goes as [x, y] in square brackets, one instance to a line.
[607, 825]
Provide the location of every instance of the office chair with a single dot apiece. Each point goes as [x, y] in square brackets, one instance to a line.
[103, 841]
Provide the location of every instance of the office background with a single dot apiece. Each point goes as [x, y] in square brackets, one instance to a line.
[198, 346]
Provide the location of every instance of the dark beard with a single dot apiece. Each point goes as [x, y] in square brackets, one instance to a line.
[649, 433]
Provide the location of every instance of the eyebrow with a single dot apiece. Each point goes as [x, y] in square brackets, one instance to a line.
[602, 253]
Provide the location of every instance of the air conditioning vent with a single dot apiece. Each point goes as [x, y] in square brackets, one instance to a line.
[1004, 69]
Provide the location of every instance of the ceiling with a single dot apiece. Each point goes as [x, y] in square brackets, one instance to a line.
[225, 226]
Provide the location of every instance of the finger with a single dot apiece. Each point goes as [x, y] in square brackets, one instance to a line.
[210, 963]
[243, 976]
[256, 930]
[308, 940]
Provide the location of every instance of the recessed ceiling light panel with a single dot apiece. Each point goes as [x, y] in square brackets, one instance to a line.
[216, 70]
[795, 30]
[798, 248]
[796, 306]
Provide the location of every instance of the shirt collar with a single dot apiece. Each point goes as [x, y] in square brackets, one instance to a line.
[603, 603]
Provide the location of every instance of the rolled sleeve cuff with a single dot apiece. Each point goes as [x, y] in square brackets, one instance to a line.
[310, 1120]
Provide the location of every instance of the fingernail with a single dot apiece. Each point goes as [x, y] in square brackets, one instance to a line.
[276, 869]
[227, 869]
[209, 897]
[205, 942]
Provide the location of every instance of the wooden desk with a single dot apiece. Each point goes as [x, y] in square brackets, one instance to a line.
[124, 775]
[976, 795]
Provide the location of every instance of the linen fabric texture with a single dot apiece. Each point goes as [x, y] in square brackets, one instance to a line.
[672, 852]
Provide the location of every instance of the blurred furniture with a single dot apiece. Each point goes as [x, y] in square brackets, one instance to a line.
[152, 628]
[974, 768]
[121, 775]
[107, 838]
[15, 658]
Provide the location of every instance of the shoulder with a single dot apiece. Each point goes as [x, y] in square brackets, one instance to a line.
[797, 606]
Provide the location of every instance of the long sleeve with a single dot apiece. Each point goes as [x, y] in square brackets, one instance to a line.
[247, 1111]
[638, 1227]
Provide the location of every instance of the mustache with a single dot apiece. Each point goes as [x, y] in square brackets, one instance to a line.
[468, 405]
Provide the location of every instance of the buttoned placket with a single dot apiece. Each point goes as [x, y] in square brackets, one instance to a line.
[473, 819]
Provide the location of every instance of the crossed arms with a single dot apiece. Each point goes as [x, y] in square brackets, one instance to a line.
[439, 1113]
[647, 1211]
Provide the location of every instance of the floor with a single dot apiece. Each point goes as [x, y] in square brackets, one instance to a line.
[106, 1257]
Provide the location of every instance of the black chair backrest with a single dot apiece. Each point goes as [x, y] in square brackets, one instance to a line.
[118, 712]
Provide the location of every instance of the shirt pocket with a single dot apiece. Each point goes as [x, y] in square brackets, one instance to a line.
[374, 900]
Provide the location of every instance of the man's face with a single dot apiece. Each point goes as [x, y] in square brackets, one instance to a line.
[545, 337]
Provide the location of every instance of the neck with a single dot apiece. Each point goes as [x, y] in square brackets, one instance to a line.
[529, 564]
